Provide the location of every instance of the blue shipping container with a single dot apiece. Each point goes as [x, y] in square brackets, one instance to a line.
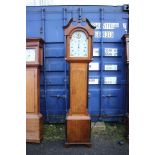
[107, 96]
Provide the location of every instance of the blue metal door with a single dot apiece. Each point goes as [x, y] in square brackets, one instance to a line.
[106, 71]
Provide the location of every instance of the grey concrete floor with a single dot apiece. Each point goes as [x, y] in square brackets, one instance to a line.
[100, 146]
[106, 139]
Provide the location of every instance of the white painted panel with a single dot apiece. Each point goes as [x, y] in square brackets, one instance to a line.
[105, 26]
[111, 52]
[95, 51]
[94, 66]
[110, 25]
[110, 67]
[110, 80]
[93, 81]
[105, 34]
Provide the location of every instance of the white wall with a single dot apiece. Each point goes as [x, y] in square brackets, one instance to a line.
[75, 2]
[38, 2]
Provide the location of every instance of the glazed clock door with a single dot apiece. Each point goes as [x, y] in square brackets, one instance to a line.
[79, 44]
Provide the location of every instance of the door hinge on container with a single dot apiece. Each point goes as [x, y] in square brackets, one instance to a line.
[109, 95]
[59, 96]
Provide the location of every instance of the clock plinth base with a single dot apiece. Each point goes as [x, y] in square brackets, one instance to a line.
[34, 128]
[78, 130]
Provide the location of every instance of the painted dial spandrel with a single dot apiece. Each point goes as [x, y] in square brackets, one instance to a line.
[30, 54]
[79, 45]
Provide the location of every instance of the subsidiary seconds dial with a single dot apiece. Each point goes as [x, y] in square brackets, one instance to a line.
[79, 44]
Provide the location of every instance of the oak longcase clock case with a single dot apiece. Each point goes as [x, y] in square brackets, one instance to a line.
[78, 54]
[34, 60]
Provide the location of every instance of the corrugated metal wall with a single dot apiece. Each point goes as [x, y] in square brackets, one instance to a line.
[106, 72]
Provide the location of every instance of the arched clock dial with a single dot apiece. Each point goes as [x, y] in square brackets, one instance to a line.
[79, 44]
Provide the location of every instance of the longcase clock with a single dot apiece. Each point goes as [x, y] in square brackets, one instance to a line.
[34, 59]
[78, 54]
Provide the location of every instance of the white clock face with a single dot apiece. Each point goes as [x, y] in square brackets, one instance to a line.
[30, 54]
[79, 45]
